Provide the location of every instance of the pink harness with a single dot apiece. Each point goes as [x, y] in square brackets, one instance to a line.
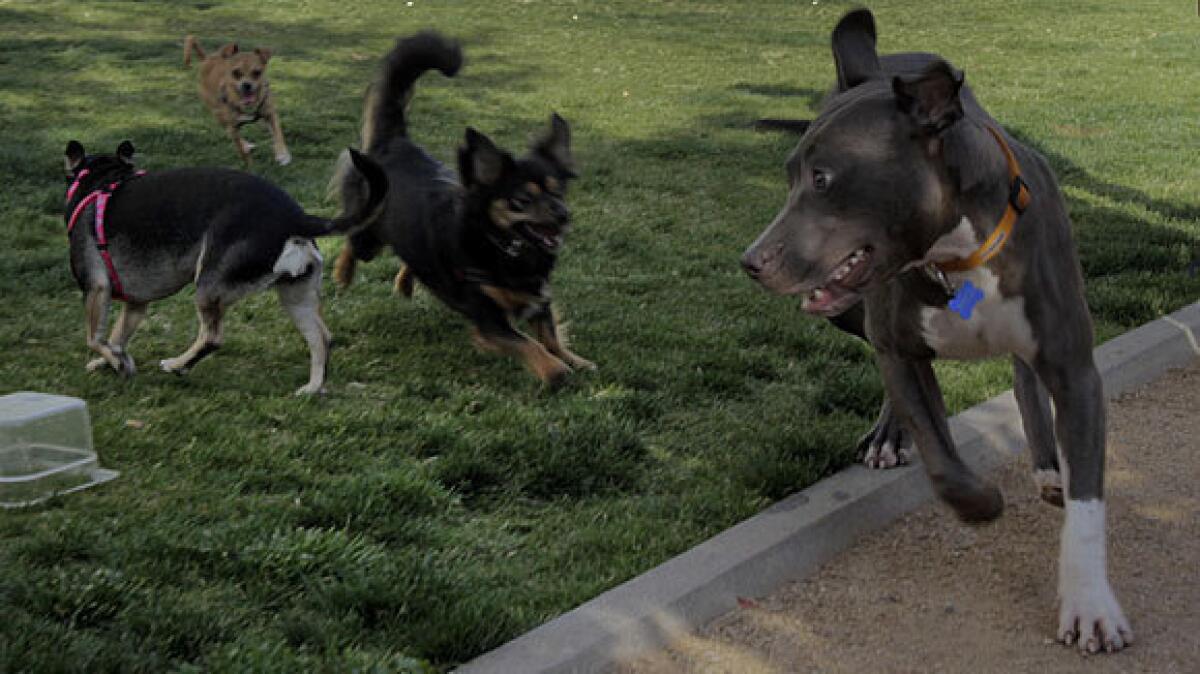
[99, 197]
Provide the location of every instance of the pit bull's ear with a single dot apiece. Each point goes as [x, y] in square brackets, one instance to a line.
[229, 50]
[125, 152]
[480, 162]
[555, 146]
[74, 155]
[931, 98]
[854, 49]
[264, 54]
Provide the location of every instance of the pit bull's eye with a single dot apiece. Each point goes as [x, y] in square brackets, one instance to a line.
[820, 180]
[237, 74]
[256, 74]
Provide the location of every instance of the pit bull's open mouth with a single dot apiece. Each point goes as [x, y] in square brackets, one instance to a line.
[249, 99]
[548, 237]
[840, 289]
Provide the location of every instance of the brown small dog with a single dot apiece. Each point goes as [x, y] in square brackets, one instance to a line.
[233, 84]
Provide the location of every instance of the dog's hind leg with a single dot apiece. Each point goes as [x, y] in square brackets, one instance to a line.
[917, 399]
[208, 340]
[1089, 613]
[302, 299]
[127, 323]
[96, 305]
[343, 268]
[1034, 403]
[546, 330]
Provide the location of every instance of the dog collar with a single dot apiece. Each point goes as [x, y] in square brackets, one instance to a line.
[1019, 197]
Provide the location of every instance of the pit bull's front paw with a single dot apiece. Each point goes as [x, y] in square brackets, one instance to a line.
[1049, 484]
[1090, 616]
[886, 445]
[247, 146]
[284, 158]
[579, 363]
[95, 364]
[173, 366]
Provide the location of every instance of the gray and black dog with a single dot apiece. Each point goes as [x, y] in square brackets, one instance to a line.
[142, 238]
[907, 197]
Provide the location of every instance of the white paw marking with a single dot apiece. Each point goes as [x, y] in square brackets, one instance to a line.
[886, 454]
[1047, 477]
[95, 364]
[247, 146]
[1088, 611]
[284, 158]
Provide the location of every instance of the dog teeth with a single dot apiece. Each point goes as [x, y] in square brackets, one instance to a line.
[818, 295]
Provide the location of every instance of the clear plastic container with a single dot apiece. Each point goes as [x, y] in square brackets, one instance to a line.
[45, 448]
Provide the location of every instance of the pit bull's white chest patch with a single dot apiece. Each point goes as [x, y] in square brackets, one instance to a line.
[298, 256]
[997, 324]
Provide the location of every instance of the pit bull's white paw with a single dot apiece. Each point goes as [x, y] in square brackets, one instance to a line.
[1089, 614]
[885, 454]
[284, 158]
[95, 364]
[247, 146]
[173, 366]
[309, 389]
[1091, 617]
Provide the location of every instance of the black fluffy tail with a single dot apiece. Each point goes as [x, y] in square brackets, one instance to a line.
[368, 209]
[383, 117]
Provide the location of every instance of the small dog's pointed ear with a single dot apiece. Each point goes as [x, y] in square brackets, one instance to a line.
[264, 54]
[125, 152]
[229, 50]
[555, 145]
[931, 98]
[480, 162]
[74, 155]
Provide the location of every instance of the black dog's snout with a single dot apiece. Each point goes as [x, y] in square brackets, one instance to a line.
[562, 214]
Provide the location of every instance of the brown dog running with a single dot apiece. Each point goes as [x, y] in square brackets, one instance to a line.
[233, 84]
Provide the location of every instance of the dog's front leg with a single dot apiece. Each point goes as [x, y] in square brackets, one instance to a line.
[496, 334]
[886, 445]
[545, 330]
[281, 150]
[243, 148]
[95, 309]
[1038, 422]
[917, 400]
[1088, 613]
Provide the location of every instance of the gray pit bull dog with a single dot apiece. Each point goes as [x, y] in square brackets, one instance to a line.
[906, 196]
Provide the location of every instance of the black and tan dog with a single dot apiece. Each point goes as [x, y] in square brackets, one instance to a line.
[234, 86]
[909, 200]
[485, 242]
[142, 238]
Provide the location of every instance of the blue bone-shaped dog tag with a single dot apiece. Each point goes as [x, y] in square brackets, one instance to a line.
[964, 301]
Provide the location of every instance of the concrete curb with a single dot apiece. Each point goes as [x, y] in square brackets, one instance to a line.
[795, 536]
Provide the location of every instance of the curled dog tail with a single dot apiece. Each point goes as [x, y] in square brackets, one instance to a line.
[383, 114]
[369, 208]
[191, 45]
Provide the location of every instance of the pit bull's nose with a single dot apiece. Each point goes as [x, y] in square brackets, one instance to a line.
[247, 87]
[751, 264]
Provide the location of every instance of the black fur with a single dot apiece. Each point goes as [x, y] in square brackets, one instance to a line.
[224, 230]
[495, 228]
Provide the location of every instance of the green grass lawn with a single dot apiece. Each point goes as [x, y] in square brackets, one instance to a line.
[438, 502]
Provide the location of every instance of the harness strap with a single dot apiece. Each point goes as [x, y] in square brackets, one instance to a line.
[99, 197]
[1019, 197]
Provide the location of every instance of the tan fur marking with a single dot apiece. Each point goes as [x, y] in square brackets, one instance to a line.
[552, 184]
[500, 214]
[534, 188]
[403, 285]
[343, 269]
[509, 300]
[536, 358]
[547, 331]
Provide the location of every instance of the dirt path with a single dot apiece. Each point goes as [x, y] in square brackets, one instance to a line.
[931, 595]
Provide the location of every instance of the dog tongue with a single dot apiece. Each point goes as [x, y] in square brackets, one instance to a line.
[822, 300]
